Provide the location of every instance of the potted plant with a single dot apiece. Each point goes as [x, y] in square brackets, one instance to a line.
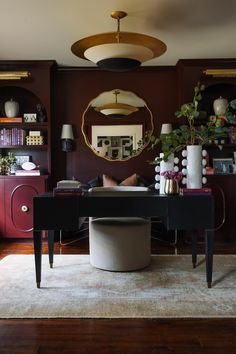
[189, 138]
[6, 163]
[190, 134]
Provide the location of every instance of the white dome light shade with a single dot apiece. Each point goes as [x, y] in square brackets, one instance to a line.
[116, 109]
[118, 51]
[104, 52]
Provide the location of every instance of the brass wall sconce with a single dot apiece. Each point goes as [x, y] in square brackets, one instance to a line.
[14, 75]
[220, 72]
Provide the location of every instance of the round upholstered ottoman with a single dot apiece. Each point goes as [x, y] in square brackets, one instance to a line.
[120, 244]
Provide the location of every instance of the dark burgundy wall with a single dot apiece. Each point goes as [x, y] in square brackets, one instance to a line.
[76, 87]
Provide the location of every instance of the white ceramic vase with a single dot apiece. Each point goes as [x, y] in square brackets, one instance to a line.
[219, 106]
[11, 108]
[169, 165]
[194, 166]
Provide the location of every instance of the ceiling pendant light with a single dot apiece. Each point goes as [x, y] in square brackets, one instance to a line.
[118, 51]
[116, 109]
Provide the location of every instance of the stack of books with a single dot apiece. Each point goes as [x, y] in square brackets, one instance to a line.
[35, 172]
[196, 191]
[11, 119]
[67, 187]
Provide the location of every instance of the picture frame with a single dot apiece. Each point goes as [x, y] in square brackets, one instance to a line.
[30, 117]
[222, 165]
[116, 144]
[20, 159]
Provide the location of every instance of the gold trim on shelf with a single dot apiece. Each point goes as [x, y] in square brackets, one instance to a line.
[14, 75]
[220, 72]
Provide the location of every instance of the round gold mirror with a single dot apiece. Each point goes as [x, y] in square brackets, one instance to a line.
[115, 125]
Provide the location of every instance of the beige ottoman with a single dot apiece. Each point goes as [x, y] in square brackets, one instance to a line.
[120, 244]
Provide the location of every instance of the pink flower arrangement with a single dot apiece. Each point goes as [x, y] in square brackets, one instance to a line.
[176, 176]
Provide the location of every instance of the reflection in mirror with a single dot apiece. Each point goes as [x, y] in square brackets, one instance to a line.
[115, 124]
[114, 108]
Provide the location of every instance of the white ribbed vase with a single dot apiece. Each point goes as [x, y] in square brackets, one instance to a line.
[194, 166]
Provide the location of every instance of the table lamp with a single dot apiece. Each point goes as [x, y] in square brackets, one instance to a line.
[67, 137]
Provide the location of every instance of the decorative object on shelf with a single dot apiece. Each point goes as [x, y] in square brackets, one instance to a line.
[6, 162]
[67, 137]
[34, 140]
[118, 51]
[20, 159]
[220, 105]
[14, 75]
[41, 114]
[172, 180]
[222, 165]
[11, 108]
[28, 165]
[30, 117]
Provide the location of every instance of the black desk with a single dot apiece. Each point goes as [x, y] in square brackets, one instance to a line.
[177, 212]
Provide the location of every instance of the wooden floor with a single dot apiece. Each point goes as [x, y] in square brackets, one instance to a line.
[126, 336]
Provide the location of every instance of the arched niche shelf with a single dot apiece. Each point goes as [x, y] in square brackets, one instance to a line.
[26, 99]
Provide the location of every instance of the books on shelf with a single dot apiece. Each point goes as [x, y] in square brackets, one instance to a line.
[196, 191]
[12, 136]
[60, 191]
[35, 172]
[11, 120]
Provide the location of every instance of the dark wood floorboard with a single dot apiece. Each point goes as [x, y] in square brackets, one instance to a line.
[113, 336]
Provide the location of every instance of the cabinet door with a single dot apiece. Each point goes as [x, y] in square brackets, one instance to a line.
[19, 193]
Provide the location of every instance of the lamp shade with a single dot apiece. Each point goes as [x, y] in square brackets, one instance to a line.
[118, 51]
[116, 109]
[67, 132]
[166, 128]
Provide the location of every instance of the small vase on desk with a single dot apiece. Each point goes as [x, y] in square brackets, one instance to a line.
[171, 187]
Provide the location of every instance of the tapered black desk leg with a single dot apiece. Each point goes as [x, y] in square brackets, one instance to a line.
[209, 245]
[51, 246]
[38, 255]
[194, 248]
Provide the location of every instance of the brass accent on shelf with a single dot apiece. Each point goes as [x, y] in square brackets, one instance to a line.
[14, 75]
[220, 72]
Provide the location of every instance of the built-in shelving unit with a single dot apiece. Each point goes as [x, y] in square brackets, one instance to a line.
[17, 192]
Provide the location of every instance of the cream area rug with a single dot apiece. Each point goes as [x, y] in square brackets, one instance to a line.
[169, 287]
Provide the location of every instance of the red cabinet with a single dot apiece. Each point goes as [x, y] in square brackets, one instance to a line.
[16, 210]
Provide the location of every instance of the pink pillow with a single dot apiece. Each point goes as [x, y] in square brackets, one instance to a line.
[108, 181]
[129, 181]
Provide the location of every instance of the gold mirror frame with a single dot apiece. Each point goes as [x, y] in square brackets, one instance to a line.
[127, 98]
